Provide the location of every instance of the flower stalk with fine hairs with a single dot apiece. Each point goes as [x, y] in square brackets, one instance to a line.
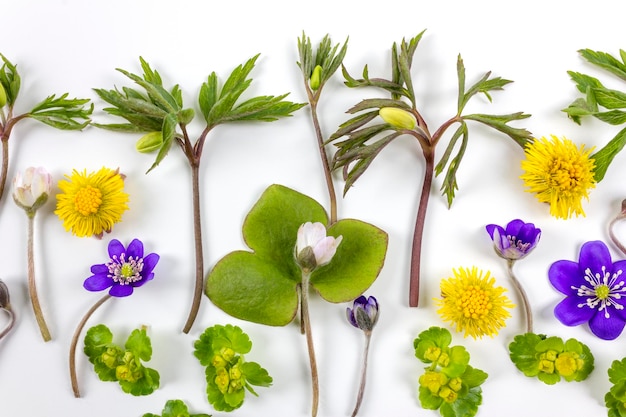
[126, 269]
[513, 243]
[363, 315]
[313, 249]
[30, 192]
[5, 304]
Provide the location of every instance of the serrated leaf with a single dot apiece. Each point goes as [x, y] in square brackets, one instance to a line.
[96, 341]
[617, 371]
[466, 406]
[438, 336]
[175, 408]
[606, 154]
[139, 343]
[428, 400]
[256, 375]
[449, 185]
[523, 353]
[214, 396]
[146, 385]
[605, 61]
[474, 377]
[610, 99]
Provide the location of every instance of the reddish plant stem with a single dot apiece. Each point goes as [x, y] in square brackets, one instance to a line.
[416, 253]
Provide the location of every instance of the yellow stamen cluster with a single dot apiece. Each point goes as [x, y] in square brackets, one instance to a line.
[559, 173]
[90, 204]
[472, 303]
[442, 386]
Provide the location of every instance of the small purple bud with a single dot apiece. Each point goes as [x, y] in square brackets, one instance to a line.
[364, 313]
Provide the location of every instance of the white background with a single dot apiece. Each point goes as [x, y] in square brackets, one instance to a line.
[74, 46]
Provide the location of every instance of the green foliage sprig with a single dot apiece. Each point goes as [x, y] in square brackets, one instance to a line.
[449, 384]
[159, 112]
[59, 112]
[220, 349]
[122, 364]
[175, 408]
[615, 399]
[367, 134]
[605, 104]
[550, 358]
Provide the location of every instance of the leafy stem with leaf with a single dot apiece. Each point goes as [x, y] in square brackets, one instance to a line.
[160, 113]
[316, 71]
[367, 136]
[59, 112]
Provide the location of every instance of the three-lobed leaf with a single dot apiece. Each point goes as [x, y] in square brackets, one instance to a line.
[261, 286]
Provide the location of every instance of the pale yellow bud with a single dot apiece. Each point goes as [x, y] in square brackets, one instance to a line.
[316, 78]
[3, 96]
[397, 117]
[149, 142]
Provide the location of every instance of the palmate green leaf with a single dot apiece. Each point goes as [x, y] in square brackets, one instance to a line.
[139, 343]
[428, 400]
[617, 371]
[523, 353]
[434, 336]
[146, 385]
[10, 79]
[261, 286]
[217, 337]
[96, 341]
[466, 406]
[175, 408]
[215, 397]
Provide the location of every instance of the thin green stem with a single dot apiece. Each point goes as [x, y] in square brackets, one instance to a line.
[522, 293]
[416, 253]
[366, 349]
[74, 343]
[306, 321]
[32, 287]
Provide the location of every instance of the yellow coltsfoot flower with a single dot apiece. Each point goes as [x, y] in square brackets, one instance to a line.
[559, 173]
[473, 304]
[90, 204]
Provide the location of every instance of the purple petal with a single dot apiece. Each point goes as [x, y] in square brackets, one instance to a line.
[98, 282]
[99, 269]
[514, 226]
[606, 328]
[594, 255]
[121, 290]
[570, 314]
[149, 262]
[565, 274]
[350, 317]
[135, 249]
[116, 249]
[490, 228]
[145, 279]
[529, 234]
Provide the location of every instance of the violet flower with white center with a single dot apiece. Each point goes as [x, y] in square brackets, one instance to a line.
[363, 315]
[595, 290]
[513, 243]
[30, 191]
[126, 269]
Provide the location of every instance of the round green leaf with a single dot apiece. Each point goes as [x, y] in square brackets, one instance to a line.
[356, 264]
[248, 287]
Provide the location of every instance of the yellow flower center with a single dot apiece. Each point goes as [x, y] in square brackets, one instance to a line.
[474, 302]
[602, 291]
[87, 200]
[568, 363]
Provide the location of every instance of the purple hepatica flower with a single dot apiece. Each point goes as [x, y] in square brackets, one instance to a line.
[364, 313]
[516, 241]
[126, 269]
[594, 289]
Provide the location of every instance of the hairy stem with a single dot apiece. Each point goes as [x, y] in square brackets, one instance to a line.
[32, 287]
[416, 253]
[325, 163]
[5, 164]
[359, 397]
[522, 293]
[306, 321]
[197, 228]
[11, 322]
[74, 343]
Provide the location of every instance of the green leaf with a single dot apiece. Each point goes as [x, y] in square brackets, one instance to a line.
[616, 408]
[208, 95]
[617, 371]
[216, 337]
[474, 377]
[484, 86]
[146, 385]
[139, 343]
[428, 400]
[256, 375]
[610, 99]
[605, 156]
[499, 122]
[96, 341]
[168, 130]
[10, 79]
[437, 336]
[449, 185]
[466, 406]
[261, 286]
[523, 353]
[63, 113]
[175, 408]
[605, 61]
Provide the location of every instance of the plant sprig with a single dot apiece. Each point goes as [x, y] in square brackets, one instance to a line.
[366, 136]
[605, 104]
[221, 350]
[122, 364]
[59, 112]
[159, 112]
[550, 358]
[449, 384]
[175, 408]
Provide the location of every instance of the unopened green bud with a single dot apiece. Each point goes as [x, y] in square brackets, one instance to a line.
[222, 380]
[399, 118]
[227, 353]
[316, 78]
[149, 142]
[3, 96]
